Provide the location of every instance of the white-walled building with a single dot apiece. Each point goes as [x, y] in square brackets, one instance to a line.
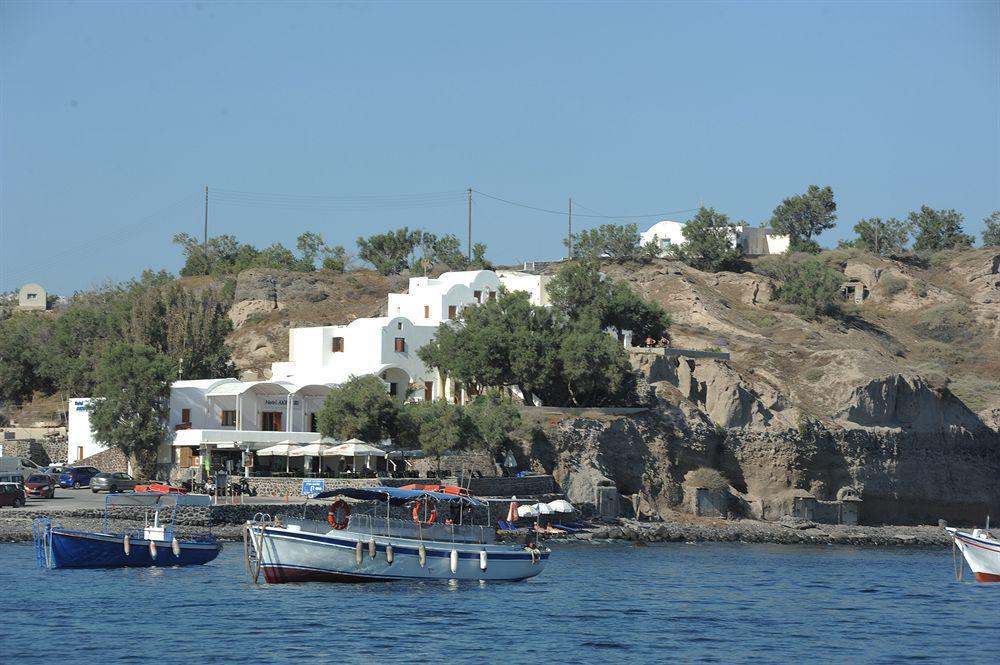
[753, 240]
[665, 234]
[220, 418]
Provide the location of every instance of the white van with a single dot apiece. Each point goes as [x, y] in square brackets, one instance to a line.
[16, 469]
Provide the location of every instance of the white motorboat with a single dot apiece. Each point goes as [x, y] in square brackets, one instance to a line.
[379, 545]
[981, 552]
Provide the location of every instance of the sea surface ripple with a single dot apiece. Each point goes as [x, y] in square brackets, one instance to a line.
[718, 602]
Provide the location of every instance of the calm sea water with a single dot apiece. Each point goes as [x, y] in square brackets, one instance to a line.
[611, 603]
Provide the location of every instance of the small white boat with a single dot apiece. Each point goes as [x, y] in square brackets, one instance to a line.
[981, 552]
[377, 546]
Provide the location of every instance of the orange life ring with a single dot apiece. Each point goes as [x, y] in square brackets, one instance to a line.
[419, 505]
[331, 515]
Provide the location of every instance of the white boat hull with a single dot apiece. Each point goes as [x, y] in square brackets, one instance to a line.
[288, 555]
[981, 553]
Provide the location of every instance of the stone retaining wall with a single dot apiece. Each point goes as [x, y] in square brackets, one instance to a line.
[42, 452]
[484, 486]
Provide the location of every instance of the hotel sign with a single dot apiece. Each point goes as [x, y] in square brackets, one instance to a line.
[279, 402]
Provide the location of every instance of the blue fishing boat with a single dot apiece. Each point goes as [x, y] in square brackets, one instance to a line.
[156, 543]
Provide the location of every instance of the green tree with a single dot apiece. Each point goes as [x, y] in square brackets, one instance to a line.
[479, 259]
[494, 417]
[189, 328]
[594, 366]
[337, 259]
[23, 353]
[619, 242]
[709, 242]
[81, 334]
[580, 291]
[437, 427]
[812, 286]
[131, 403]
[511, 343]
[879, 237]
[359, 408]
[938, 229]
[803, 216]
[310, 245]
[991, 234]
[389, 252]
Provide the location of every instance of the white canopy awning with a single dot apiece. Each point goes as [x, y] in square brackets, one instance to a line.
[352, 449]
[561, 506]
[284, 448]
[534, 510]
[312, 450]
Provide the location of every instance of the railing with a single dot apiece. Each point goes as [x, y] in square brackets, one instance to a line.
[41, 529]
[382, 526]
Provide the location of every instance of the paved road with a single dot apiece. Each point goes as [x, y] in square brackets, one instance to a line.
[70, 499]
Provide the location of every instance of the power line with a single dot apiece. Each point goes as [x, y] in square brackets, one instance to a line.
[563, 212]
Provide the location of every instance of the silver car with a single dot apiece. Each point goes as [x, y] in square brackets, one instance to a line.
[112, 482]
[55, 471]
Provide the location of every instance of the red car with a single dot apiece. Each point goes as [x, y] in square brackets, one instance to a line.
[40, 485]
[11, 494]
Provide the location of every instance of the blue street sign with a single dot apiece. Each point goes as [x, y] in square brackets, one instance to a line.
[312, 487]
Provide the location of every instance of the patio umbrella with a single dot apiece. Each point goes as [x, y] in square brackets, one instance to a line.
[528, 511]
[284, 448]
[355, 448]
[512, 511]
[311, 450]
[561, 506]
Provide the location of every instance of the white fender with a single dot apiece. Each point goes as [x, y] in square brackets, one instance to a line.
[176, 547]
[358, 553]
[482, 560]
[422, 552]
[371, 548]
[536, 555]
[152, 550]
[126, 545]
[388, 554]
[454, 561]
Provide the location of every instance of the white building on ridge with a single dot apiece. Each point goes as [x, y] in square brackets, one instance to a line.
[753, 240]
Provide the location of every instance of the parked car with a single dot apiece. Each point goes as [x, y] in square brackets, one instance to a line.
[77, 476]
[112, 482]
[40, 485]
[55, 471]
[11, 494]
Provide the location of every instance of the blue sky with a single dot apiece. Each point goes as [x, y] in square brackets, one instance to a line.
[364, 117]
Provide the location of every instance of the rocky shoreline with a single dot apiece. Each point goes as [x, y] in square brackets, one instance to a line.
[15, 527]
[784, 532]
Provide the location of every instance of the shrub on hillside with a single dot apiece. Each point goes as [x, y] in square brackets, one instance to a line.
[892, 284]
[948, 323]
[812, 287]
[706, 478]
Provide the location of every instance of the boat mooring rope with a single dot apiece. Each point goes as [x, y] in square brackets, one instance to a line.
[957, 559]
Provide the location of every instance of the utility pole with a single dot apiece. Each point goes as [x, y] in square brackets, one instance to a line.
[470, 225]
[208, 268]
[569, 232]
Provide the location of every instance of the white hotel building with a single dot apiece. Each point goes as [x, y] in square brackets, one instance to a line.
[212, 416]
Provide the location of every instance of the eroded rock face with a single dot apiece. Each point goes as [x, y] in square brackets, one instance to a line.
[915, 454]
[908, 403]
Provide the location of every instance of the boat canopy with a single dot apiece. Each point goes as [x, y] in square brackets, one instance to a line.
[395, 495]
[156, 500]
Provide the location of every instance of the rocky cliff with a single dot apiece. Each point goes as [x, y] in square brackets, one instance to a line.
[898, 398]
